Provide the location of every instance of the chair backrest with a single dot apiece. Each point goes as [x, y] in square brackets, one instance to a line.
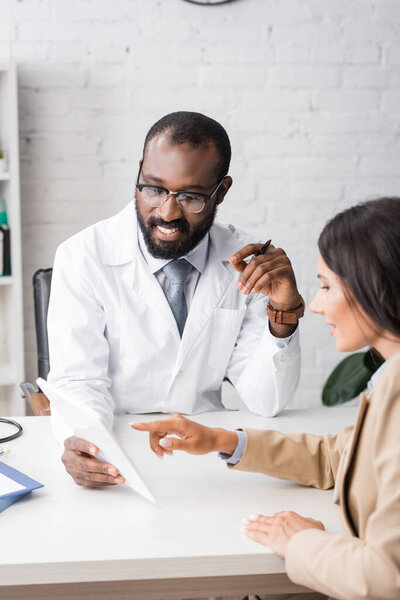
[41, 296]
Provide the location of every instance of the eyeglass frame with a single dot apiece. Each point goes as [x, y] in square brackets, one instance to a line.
[206, 197]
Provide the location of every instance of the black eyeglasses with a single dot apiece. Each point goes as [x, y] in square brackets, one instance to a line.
[191, 202]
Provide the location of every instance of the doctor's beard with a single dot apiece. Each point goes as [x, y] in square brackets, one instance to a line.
[171, 250]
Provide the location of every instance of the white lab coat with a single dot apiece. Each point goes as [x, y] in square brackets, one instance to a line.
[114, 340]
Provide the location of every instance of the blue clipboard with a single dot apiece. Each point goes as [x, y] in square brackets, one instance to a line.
[29, 485]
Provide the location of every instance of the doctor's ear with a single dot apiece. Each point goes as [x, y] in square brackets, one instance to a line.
[225, 185]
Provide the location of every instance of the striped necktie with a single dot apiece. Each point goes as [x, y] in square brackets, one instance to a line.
[177, 272]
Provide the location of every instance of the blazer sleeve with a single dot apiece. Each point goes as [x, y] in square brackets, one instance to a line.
[349, 567]
[301, 457]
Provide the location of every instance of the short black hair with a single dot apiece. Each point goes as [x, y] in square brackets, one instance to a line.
[195, 129]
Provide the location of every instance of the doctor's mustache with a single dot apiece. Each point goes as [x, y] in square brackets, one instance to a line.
[180, 224]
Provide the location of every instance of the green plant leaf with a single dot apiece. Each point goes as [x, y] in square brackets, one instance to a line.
[347, 380]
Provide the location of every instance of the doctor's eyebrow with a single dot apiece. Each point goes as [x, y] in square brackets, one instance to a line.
[153, 178]
[161, 182]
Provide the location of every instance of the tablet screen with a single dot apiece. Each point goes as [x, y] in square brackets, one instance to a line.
[85, 423]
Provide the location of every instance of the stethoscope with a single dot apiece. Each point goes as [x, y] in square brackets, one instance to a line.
[13, 436]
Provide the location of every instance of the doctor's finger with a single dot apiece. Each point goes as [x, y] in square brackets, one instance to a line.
[78, 445]
[93, 480]
[237, 260]
[267, 279]
[78, 474]
[256, 268]
[90, 465]
[97, 478]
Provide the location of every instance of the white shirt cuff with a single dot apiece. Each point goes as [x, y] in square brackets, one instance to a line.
[282, 343]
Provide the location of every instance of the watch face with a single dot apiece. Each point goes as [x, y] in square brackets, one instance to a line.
[208, 1]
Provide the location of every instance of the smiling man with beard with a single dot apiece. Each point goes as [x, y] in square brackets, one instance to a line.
[150, 310]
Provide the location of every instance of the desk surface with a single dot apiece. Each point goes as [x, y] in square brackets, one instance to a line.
[63, 533]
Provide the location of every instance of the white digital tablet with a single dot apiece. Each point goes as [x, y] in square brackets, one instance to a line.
[88, 425]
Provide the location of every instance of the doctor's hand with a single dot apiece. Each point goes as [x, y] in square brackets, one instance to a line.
[192, 437]
[80, 462]
[276, 531]
[270, 274]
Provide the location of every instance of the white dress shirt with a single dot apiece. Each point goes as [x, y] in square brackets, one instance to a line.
[196, 257]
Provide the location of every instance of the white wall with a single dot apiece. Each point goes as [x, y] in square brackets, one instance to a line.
[309, 91]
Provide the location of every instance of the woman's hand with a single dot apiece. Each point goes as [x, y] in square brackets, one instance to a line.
[193, 437]
[275, 532]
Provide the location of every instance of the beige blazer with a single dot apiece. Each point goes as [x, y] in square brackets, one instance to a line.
[363, 463]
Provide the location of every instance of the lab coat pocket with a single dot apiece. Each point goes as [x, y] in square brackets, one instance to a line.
[226, 325]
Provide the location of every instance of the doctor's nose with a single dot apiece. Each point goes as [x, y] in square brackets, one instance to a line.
[170, 210]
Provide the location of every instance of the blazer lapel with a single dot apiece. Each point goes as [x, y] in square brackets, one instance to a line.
[348, 459]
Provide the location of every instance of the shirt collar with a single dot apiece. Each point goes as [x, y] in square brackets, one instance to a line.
[377, 375]
[197, 257]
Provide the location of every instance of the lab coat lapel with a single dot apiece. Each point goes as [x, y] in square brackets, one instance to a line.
[121, 251]
[145, 285]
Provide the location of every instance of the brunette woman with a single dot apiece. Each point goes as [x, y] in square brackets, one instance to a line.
[359, 297]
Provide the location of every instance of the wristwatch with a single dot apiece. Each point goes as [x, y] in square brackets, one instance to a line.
[286, 317]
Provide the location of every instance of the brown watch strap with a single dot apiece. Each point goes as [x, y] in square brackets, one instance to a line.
[286, 317]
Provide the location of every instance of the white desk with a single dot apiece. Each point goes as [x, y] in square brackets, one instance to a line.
[64, 541]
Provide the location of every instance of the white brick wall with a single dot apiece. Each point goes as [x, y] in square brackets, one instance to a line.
[309, 91]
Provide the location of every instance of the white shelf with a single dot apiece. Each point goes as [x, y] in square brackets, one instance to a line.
[11, 307]
[6, 280]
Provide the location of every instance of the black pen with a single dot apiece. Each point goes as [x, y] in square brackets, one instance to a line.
[263, 249]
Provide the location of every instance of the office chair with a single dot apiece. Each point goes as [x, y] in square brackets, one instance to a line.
[41, 294]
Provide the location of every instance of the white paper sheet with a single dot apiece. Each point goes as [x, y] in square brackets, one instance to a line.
[9, 486]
